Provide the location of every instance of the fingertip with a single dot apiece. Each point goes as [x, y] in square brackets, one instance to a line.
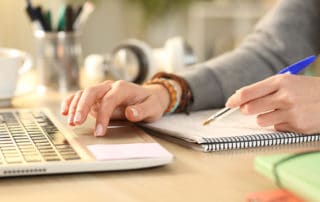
[72, 124]
[78, 118]
[100, 130]
[132, 113]
[65, 104]
[282, 127]
[230, 103]
[234, 100]
[64, 109]
[70, 121]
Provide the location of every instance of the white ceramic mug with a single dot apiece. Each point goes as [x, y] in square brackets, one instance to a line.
[12, 64]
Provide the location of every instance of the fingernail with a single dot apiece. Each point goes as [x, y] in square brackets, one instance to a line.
[229, 102]
[99, 130]
[134, 111]
[70, 120]
[78, 117]
[63, 107]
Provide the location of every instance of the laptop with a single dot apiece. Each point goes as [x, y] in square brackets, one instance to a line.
[34, 142]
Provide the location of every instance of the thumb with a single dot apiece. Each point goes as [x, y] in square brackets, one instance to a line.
[283, 127]
[145, 111]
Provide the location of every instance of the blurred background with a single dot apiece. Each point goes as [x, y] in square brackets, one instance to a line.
[210, 26]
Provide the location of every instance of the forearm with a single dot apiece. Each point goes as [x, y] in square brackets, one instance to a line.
[213, 82]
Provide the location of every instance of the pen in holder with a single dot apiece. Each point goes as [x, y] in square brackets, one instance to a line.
[58, 50]
[58, 59]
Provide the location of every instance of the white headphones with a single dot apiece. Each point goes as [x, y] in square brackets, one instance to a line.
[136, 61]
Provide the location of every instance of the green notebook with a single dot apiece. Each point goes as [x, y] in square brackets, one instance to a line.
[299, 173]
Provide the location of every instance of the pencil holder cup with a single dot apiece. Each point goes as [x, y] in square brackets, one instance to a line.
[58, 59]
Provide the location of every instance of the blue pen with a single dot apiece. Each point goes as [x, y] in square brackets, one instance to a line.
[292, 69]
[298, 66]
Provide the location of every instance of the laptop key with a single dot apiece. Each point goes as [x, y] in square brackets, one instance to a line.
[32, 158]
[51, 158]
[9, 152]
[7, 146]
[8, 149]
[72, 157]
[13, 159]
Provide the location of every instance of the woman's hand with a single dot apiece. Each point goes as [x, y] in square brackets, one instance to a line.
[116, 100]
[287, 102]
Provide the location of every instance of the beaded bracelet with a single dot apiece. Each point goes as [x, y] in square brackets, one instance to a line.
[172, 90]
[178, 92]
[186, 94]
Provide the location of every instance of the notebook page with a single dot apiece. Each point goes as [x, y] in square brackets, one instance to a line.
[191, 129]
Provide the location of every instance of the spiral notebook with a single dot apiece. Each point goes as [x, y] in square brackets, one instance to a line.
[235, 131]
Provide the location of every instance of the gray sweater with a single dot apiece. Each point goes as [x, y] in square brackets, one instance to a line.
[289, 32]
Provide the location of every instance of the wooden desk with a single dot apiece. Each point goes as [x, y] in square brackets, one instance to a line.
[193, 176]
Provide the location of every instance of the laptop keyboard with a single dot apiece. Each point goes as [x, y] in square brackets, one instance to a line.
[31, 137]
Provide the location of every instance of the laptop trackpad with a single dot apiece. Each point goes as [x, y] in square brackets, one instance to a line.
[117, 133]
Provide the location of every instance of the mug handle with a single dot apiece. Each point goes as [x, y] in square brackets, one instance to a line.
[27, 63]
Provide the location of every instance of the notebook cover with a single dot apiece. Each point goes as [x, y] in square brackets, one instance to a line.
[300, 175]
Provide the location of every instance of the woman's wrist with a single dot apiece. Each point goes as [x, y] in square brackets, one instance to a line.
[173, 89]
[162, 93]
[180, 93]
[175, 92]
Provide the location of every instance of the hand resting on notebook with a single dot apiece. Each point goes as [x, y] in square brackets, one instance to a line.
[287, 102]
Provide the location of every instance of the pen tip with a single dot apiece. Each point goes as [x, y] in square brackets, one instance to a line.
[207, 122]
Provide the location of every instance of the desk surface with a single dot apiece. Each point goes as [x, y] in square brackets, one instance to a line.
[193, 176]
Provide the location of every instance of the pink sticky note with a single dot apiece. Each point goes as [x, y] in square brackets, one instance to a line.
[127, 151]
